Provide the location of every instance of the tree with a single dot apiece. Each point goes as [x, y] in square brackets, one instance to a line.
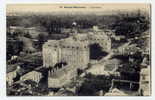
[27, 35]
[41, 39]
[131, 26]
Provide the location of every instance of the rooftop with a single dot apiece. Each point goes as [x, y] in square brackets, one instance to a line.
[68, 42]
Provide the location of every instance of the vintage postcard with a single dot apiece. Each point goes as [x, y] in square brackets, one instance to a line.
[78, 49]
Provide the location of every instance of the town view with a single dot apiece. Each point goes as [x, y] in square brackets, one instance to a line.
[99, 53]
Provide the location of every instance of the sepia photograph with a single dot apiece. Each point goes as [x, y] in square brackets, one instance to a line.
[78, 49]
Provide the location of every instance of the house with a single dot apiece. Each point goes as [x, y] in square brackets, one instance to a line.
[15, 29]
[61, 77]
[11, 74]
[33, 75]
[144, 85]
[116, 92]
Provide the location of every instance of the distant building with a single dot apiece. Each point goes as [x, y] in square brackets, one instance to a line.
[107, 68]
[102, 39]
[74, 28]
[14, 29]
[32, 31]
[95, 28]
[116, 92]
[11, 74]
[112, 65]
[126, 49]
[64, 92]
[33, 75]
[97, 69]
[144, 86]
[61, 77]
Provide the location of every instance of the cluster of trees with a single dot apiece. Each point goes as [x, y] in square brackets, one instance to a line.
[14, 47]
[133, 28]
[26, 88]
[53, 23]
[131, 25]
[127, 24]
[94, 84]
[129, 68]
[96, 52]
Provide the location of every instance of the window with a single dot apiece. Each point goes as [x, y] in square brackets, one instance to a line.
[143, 77]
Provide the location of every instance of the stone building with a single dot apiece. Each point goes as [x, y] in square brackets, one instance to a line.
[116, 92]
[11, 74]
[100, 38]
[15, 29]
[33, 75]
[63, 57]
[144, 85]
[109, 67]
[32, 31]
[61, 77]
[70, 51]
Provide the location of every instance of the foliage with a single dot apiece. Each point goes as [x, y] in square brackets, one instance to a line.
[27, 35]
[14, 47]
[93, 84]
[96, 52]
[41, 39]
[26, 88]
[131, 26]
[128, 24]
